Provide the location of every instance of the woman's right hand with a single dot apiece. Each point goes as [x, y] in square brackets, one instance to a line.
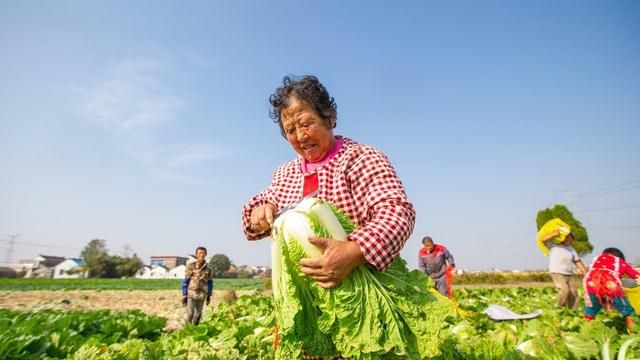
[262, 217]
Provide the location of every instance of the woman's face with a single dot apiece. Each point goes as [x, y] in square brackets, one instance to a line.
[307, 133]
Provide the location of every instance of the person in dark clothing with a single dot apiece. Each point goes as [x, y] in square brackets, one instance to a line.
[197, 286]
[433, 260]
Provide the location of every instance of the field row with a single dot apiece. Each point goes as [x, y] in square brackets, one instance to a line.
[120, 284]
[471, 279]
[242, 328]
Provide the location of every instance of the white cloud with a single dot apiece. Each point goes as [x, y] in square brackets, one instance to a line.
[133, 98]
[195, 59]
[135, 104]
[194, 154]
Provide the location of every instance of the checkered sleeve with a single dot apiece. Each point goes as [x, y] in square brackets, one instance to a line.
[267, 196]
[286, 186]
[389, 217]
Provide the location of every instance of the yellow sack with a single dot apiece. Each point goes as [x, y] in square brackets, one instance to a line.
[548, 228]
[459, 310]
[633, 294]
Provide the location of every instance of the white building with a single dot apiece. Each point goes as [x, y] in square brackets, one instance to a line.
[143, 273]
[177, 272]
[23, 266]
[41, 266]
[64, 269]
[158, 272]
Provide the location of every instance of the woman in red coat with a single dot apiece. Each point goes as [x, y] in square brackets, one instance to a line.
[603, 285]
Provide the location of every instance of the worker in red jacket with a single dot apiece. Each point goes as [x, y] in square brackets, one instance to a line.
[435, 260]
[603, 286]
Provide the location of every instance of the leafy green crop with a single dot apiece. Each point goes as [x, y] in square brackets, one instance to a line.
[243, 329]
[56, 334]
[370, 315]
[119, 284]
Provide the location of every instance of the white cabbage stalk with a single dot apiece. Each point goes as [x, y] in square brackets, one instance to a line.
[276, 265]
[622, 355]
[296, 225]
[293, 225]
[322, 211]
[527, 348]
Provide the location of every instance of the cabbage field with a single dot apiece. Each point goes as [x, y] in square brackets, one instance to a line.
[243, 328]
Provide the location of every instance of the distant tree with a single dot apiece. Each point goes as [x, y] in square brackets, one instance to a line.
[581, 243]
[95, 257]
[220, 264]
[244, 274]
[99, 264]
[126, 250]
[232, 273]
[127, 266]
[76, 270]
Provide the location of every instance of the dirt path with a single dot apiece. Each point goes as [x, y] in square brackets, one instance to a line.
[165, 303]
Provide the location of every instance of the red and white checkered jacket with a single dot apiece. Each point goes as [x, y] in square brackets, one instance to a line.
[360, 181]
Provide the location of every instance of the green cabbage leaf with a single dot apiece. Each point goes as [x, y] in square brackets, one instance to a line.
[370, 315]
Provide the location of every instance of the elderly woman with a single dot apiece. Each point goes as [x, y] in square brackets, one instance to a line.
[356, 178]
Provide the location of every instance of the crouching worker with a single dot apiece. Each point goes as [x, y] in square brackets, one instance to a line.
[604, 287]
[197, 286]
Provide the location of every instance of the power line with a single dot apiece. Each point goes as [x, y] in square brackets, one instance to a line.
[34, 244]
[615, 227]
[575, 198]
[630, 185]
[627, 206]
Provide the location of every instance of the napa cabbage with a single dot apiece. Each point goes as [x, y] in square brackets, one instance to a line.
[370, 315]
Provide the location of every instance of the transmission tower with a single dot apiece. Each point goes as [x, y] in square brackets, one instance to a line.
[10, 250]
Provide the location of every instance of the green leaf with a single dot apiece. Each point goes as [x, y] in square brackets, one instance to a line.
[371, 315]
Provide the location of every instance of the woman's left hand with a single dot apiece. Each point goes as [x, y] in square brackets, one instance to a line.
[339, 259]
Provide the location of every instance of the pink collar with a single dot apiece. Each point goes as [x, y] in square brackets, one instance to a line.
[309, 167]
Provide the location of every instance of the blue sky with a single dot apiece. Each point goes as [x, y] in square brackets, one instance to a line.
[146, 123]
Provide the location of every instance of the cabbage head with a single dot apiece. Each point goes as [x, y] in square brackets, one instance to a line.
[370, 315]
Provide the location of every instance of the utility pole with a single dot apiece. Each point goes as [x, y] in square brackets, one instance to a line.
[10, 250]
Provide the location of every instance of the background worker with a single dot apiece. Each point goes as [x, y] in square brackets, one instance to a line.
[562, 258]
[197, 286]
[433, 260]
[603, 285]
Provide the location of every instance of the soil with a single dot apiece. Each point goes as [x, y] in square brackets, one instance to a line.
[165, 303]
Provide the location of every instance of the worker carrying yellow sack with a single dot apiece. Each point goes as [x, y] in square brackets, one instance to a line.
[555, 228]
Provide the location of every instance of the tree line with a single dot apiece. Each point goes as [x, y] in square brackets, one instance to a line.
[98, 263]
